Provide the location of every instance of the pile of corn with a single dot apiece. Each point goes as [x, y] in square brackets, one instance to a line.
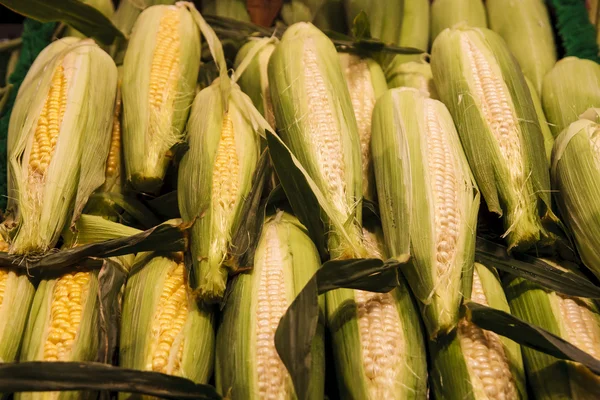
[490, 122]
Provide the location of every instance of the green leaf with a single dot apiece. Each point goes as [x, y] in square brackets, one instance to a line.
[169, 236]
[298, 191]
[86, 19]
[361, 28]
[297, 327]
[111, 279]
[129, 205]
[535, 270]
[63, 376]
[528, 335]
[166, 205]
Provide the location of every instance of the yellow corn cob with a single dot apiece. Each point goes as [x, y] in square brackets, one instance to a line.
[474, 363]
[570, 88]
[575, 320]
[525, 27]
[63, 325]
[59, 138]
[159, 76]
[378, 348]
[488, 97]
[450, 13]
[306, 79]
[575, 174]
[366, 83]
[215, 177]
[163, 329]
[414, 74]
[416, 151]
[247, 363]
[113, 163]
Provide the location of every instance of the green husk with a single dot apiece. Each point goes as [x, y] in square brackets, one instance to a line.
[549, 377]
[451, 374]
[406, 188]
[570, 88]
[238, 371]
[521, 198]
[14, 310]
[450, 13]
[325, 14]
[525, 27]
[414, 74]
[254, 81]
[149, 134]
[575, 176]
[140, 307]
[290, 91]
[41, 210]
[235, 9]
[544, 126]
[366, 83]
[399, 373]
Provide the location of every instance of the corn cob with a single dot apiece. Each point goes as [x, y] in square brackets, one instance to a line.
[377, 340]
[414, 74]
[16, 295]
[525, 27]
[539, 110]
[488, 98]
[59, 138]
[63, 325]
[247, 364]
[124, 18]
[235, 9]
[570, 88]
[254, 81]
[106, 7]
[159, 77]
[451, 13]
[416, 145]
[163, 329]
[215, 176]
[315, 119]
[366, 83]
[575, 320]
[472, 363]
[575, 175]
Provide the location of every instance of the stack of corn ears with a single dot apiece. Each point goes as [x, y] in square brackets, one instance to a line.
[492, 107]
[451, 13]
[525, 27]
[160, 70]
[58, 140]
[247, 363]
[575, 175]
[366, 82]
[575, 320]
[378, 344]
[315, 119]
[472, 363]
[427, 195]
[163, 329]
[569, 89]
